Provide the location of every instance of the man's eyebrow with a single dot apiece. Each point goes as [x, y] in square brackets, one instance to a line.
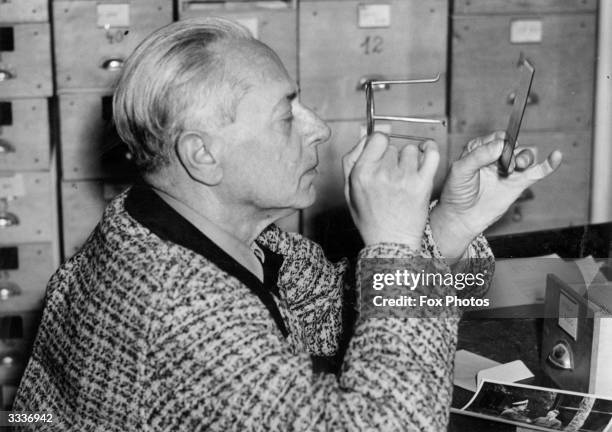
[288, 98]
[293, 95]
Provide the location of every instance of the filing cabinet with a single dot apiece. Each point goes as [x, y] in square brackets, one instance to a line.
[25, 60]
[93, 38]
[24, 134]
[522, 6]
[91, 147]
[558, 201]
[559, 38]
[345, 42]
[29, 247]
[345, 135]
[17, 333]
[560, 46]
[272, 22]
[83, 203]
[17, 11]
[24, 272]
[27, 207]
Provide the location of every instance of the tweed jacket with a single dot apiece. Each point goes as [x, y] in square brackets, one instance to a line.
[147, 329]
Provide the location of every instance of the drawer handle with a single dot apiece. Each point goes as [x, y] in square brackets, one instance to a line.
[532, 99]
[7, 219]
[361, 85]
[5, 75]
[7, 361]
[113, 64]
[8, 290]
[6, 147]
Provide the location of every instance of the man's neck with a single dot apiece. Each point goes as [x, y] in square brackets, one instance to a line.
[233, 231]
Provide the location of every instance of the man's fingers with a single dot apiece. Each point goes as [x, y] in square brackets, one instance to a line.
[524, 158]
[484, 140]
[544, 169]
[431, 159]
[480, 157]
[375, 148]
[349, 159]
[409, 158]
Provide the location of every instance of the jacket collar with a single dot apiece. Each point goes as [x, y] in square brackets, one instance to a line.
[151, 211]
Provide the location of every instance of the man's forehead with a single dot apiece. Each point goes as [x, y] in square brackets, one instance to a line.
[254, 60]
[261, 71]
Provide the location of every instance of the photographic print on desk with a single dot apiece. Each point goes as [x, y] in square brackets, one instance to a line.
[539, 408]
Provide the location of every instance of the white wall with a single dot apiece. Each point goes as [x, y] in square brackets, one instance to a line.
[601, 199]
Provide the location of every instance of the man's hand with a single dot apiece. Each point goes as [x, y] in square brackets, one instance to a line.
[475, 195]
[388, 190]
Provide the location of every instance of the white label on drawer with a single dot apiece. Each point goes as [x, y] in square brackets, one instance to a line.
[113, 15]
[252, 24]
[374, 15]
[526, 31]
[12, 187]
[568, 315]
[378, 127]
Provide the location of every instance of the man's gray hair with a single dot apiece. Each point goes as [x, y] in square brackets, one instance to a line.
[166, 81]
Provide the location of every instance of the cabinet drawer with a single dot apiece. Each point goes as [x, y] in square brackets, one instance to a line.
[29, 210]
[26, 269]
[393, 40]
[562, 49]
[25, 60]
[108, 31]
[330, 180]
[558, 201]
[522, 6]
[19, 11]
[90, 146]
[24, 134]
[83, 203]
[273, 23]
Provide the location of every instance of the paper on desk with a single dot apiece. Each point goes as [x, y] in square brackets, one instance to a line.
[507, 372]
[522, 281]
[467, 366]
[590, 270]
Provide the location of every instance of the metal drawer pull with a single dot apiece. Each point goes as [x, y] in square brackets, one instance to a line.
[7, 219]
[7, 361]
[113, 64]
[371, 85]
[6, 147]
[5, 75]
[379, 79]
[561, 356]
[8, 290]
[532, 99]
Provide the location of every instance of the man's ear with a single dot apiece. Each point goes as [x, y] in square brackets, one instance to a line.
[194, 150]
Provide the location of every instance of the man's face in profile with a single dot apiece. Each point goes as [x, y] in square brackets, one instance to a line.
[272, 144]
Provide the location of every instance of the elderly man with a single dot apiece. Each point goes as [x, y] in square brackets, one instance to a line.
[188, 309]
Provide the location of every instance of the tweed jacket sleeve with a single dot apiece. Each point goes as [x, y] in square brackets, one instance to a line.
[314, 287]
[237, 373]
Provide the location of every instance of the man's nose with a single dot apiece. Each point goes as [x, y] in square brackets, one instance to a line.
[315, 130]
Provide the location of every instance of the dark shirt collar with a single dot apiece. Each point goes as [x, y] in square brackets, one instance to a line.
[150, 210]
